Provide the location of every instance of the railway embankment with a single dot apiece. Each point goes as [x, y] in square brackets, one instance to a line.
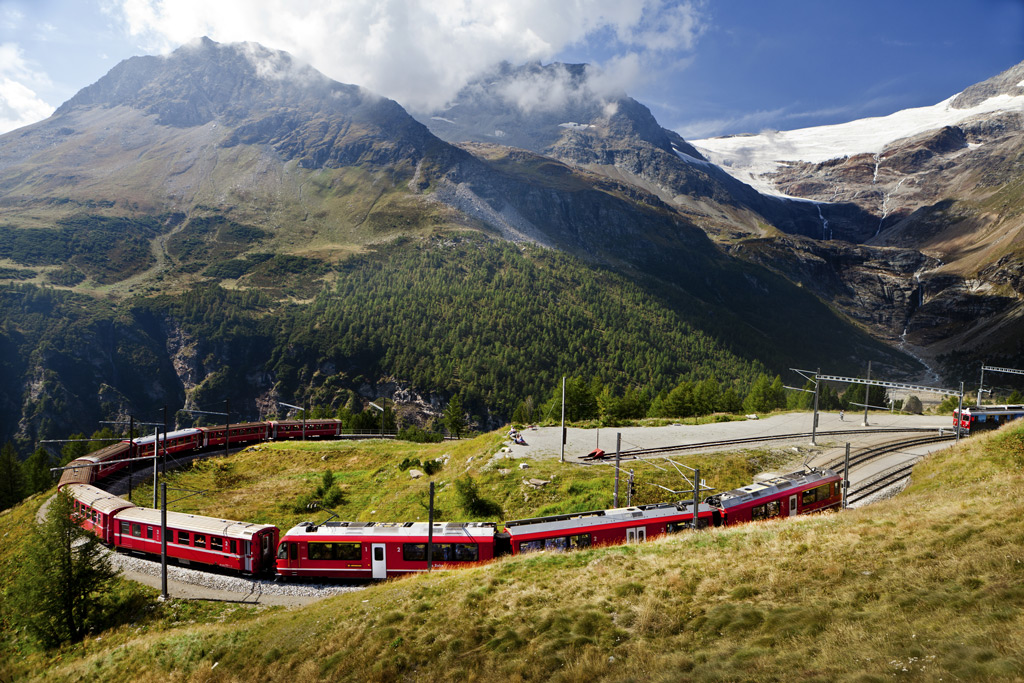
[924, 586]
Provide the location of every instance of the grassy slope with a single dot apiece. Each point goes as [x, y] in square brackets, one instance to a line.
[926, 586]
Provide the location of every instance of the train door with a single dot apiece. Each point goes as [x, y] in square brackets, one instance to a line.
[247, 556]
[636, 535]
[792, 505]
[379, 563]
[266, 553]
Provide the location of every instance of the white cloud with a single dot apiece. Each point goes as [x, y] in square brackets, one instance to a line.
[19, 103]
[420, 52]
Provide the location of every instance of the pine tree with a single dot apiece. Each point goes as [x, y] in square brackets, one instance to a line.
[58, 592]
[37, 472]
[454, 417]
[12, 480]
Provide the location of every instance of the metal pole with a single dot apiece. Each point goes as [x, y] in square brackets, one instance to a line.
[618, 446]
[156, 450]
[696, 498]
[867, 396]
[846, 473]
[163, 540]
[561, 451]
[131, 454]
[227, 424]
[629, 490]
[982, 384]
[163, 463]
[814, 424]
[305, 409]
[430, 530]
[959, 412]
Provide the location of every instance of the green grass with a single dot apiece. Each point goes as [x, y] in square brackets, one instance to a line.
[923, 587]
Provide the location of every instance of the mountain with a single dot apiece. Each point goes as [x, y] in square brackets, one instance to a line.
[567, 112]
[229, 224]
[942, 182]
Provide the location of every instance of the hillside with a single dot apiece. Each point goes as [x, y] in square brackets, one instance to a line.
[232, 225]
[925, 585]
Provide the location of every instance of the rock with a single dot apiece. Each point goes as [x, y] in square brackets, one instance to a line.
[536, 483]
[523, 466]
[415, 474]
[504, 472]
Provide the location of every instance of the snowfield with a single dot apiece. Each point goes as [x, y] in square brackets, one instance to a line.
[749, 157]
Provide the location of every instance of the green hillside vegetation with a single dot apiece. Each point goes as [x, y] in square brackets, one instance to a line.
[925, 586]
[495, 323]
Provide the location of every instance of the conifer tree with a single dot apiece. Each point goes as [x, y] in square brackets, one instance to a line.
[12, 480]
[57, 594]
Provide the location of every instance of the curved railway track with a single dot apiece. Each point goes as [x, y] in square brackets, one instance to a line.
[882, 480]
[635, 453]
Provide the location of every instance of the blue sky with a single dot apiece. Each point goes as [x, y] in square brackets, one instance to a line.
[706, 67]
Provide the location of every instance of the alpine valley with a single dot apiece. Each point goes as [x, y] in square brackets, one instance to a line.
[225, 223]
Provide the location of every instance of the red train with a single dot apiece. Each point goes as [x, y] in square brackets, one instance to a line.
[104, 462]
[377, 550]
[980, 418]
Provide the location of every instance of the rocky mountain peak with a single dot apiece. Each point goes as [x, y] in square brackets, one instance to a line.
[1009, 82]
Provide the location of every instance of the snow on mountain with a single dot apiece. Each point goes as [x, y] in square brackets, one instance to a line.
[750, 157]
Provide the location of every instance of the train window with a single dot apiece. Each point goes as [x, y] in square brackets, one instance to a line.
[293, 551]
[149, 532]
[183, 538]
[414, 552]
[124, 528]
[137, 530]
[530, 546]
[170, 535]
[216, 543]
[282, 551]
[774, 508]
[558, 543]
[199, 541]
[467, 552]
[234, 547]
[335, 551]
[759, 512]
[579, 541]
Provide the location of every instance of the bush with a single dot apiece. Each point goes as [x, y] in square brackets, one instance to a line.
[471, 501]
[419, 435]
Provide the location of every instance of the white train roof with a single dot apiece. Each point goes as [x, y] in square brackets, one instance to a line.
[143, 440]
[585, 520]
[794, 480]
[97, 498]
[444, 532]
[195, 523]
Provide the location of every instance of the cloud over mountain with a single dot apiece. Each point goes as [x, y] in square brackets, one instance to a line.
[421, 52]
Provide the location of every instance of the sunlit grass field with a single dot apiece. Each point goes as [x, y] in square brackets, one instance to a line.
[927, 586]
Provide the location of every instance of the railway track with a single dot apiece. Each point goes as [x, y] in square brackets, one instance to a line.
[636, 453]
[883, 480]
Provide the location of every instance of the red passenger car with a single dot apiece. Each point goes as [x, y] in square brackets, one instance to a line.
[194, 539]
[295, 429]
[244, 432]
[979, 418]
[797, 493]
[604, 527]
[175, 442]
[96, 465]
[96, 509]
[375, 550]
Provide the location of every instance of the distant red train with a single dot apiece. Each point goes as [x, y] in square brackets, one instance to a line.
[104, 462]
[980, 418]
